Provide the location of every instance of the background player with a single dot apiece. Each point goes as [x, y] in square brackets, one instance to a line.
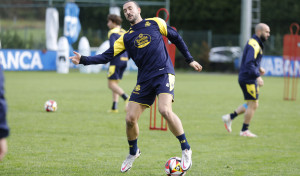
[118, 64]
[4, 130]
[144, 43]
[250, 78]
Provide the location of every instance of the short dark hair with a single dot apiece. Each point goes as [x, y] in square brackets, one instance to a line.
[115, 19]
[133, 2]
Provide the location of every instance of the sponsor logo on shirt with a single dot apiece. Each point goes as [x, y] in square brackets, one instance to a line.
[142, 40]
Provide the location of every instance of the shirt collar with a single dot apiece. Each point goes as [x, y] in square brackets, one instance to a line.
[258, 40]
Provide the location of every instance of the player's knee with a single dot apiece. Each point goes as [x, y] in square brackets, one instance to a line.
[165, 112]
[130, 122]
[131, 119]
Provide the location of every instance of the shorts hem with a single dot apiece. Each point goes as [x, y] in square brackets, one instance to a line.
[250, 100]
[169, 94]
[148, 106]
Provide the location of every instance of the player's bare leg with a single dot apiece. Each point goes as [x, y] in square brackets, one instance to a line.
[114, 86]
[175, 126]
[240, 110]
[133, 114]
[252, 106]
[227, 118]
[132, 130]
[165, 109]
[115, 97]
[117, 91]
[3, 148]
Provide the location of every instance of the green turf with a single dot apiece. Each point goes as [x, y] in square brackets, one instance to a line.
[81, 138]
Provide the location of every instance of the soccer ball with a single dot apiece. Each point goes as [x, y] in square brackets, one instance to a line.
[172, 167]
[50, 106]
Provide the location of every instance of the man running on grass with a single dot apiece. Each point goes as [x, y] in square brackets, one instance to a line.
[250, 79]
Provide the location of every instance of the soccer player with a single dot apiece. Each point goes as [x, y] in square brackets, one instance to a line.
[156, 77]
[250, 79]
[4, 130]
[118, 64]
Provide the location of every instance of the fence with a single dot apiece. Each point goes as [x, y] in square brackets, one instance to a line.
[29, 33]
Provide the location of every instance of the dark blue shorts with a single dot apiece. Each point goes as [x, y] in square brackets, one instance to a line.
[145, 93]
[115, 72]
[250, 91]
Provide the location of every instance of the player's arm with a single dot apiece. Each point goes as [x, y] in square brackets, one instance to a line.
[117, 49]
[262, 71]
[176, 39]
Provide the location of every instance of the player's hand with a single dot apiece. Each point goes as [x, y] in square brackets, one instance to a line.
[260, 81]
[3, 148]
[196, 66]
[76, 58]
[262, 71]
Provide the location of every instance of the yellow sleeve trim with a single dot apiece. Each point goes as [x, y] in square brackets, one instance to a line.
[161, 24]
[119, 45]
[255, 46]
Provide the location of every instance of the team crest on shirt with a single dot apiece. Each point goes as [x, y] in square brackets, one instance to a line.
[136, 89]
[142, 40]
[147, 24]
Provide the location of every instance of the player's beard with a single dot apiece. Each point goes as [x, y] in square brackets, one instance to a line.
[263, 38]
[133, 20]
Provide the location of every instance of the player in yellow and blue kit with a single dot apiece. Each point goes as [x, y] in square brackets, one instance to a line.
[156, 77]
[118, 64]
[250, 79]
[4, 129]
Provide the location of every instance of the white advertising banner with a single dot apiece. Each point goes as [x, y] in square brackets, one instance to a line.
[62, 58]
[52, 26]
[85, 50]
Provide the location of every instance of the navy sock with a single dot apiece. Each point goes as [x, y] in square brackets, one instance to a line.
[233, 115]
[132, 147]
[183, 142]
[124, 96]
[245, 127]
[115, 105]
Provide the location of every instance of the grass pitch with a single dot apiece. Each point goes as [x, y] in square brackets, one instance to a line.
[81, 138]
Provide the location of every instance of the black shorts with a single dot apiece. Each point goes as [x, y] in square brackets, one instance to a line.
[115, 72]
[145, 93]
[250, 91]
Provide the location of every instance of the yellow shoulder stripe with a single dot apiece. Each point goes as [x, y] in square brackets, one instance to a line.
[255, 46]
[116, 31]
[161, 24]
[119, 45]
